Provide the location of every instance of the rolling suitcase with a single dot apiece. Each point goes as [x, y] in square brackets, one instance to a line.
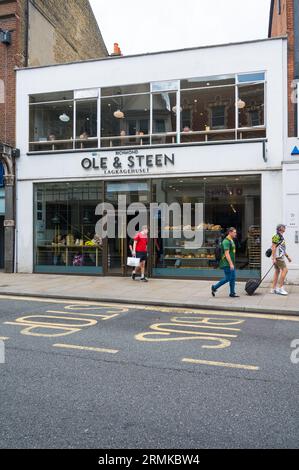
[252, 285]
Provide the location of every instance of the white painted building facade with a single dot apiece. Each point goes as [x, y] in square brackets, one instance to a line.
[177, 121]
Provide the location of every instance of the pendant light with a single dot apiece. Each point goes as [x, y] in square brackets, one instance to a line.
[119, 114]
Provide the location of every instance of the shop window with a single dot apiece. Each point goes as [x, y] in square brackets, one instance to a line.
[205, 111]
[51, 126]
[125, 90]
[227, 201]
[164, 117]
[65, 221]
[251, 77]
[86, 124]
[52, 121]
[165, 86]
[251, 99]
[206, 82]
[125, 120]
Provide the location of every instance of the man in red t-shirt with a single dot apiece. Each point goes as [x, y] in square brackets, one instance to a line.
[140, 251]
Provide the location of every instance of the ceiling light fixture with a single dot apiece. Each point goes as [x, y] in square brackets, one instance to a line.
[119, 114]
[241, 104]
[64, 118]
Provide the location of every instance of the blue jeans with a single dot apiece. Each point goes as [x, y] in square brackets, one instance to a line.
[230, 276]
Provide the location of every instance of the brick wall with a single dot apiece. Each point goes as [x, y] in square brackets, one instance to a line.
[72, 34]
[283, 25]
[63, 32]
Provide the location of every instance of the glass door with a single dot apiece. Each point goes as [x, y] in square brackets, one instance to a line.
[122, 194]
[117, 247]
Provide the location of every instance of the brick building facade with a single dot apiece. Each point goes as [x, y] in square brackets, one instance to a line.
[42, 32]
[284, 22]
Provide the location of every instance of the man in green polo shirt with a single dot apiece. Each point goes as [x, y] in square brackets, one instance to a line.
[228, 263]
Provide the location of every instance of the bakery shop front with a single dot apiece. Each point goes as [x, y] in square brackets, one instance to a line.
[175, 129]
[66, 219]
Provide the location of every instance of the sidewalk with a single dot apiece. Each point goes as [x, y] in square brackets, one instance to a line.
[163, 292]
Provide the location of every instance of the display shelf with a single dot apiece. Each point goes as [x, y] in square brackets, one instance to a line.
[254, 246]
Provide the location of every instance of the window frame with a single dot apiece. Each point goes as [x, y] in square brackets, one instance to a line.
[171, 86]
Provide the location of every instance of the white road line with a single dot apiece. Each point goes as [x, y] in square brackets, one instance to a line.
[220, 364]
[85, 348]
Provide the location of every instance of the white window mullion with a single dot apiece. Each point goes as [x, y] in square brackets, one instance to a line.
[99, 117]
[74, 123]
[178, 116]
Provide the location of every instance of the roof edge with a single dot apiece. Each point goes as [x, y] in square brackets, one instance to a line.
[146, 54]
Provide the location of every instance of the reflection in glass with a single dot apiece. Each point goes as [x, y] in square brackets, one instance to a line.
[251, 105]
[228, 201]
[164, 113]
[65, 221]
[86, 124]
[51, 122]
[125, 119]
[207, 111]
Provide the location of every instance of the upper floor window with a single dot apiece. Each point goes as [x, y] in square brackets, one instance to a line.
[201, 109]
[63, 121]
[279, 7]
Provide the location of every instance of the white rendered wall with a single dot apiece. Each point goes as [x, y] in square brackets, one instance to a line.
[25, 235]
[272, 213]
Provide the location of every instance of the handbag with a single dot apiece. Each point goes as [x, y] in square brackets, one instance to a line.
[134, 262]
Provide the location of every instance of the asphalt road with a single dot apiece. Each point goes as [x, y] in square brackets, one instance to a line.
[114, 376]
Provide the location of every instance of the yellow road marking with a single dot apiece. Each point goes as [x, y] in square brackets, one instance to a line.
[3, 338]
[180, 310]
[220, 364]
[85, 348]
[98, 315]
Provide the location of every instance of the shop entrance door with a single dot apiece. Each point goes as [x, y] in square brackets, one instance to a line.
[118, 248]
[123, 196]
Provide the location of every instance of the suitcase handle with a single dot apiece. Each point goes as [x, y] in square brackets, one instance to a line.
[266, 274]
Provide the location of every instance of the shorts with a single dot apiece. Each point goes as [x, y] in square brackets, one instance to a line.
[142, 255]
[280, 264]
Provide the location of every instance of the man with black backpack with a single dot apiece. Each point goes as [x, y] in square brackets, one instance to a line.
[227, 262]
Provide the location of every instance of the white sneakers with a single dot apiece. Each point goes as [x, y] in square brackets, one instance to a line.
[279, 291]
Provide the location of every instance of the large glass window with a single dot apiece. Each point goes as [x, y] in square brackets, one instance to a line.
[200, 109]
[208, 114]
[164, 118]
[251, 109]
[52, 122]
[86, 124]
[65, 233]
[227, 202]
[125, 120]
